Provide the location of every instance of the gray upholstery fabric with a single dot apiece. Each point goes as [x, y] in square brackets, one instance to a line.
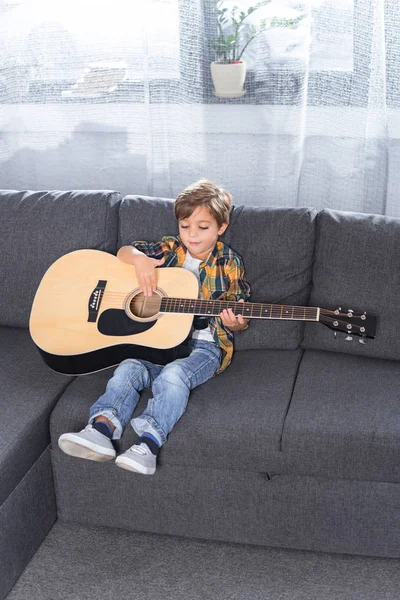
[355, 517]
[182, 569]
[234, 421]
[145, 218]
[28, 392]
[26, 516]
[36, 228]
[276, 245]
[357, 266]
[344, 418]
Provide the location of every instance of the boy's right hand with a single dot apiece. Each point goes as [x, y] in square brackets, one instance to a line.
[146, 273]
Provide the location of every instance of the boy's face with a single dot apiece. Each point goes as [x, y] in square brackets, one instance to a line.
[199, 232]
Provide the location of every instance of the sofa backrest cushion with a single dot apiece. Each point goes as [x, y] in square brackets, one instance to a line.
[357, 267]
[36, 228]
[276, 245]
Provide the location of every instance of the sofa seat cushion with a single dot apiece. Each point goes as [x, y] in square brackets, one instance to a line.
[344, 418]
[28, 392]
[233, 421]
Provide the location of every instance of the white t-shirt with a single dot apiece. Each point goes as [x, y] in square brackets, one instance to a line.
[192, 264]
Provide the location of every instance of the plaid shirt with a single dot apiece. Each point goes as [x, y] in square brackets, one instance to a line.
[221, 278]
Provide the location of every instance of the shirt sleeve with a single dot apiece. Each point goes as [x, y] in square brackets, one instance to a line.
[163, 249]
[150, 249]
[238, 289]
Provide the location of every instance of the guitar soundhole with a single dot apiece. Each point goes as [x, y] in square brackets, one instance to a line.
[145, 307]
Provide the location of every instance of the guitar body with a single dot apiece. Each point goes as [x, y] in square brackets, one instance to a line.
[88, 314]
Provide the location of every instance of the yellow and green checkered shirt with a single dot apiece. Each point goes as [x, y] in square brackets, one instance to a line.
[221, 278]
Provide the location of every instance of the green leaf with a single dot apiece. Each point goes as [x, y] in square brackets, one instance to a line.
[231, 46]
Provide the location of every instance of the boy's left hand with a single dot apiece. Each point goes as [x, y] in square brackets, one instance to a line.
[232, 321]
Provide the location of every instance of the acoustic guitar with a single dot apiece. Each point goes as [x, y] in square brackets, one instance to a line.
[89, 314]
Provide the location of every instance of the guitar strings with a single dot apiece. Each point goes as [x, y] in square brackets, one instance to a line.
[251, 310]
[298, 312]
[154, 301]
[268, 317]
[157, 299]
[251, 316]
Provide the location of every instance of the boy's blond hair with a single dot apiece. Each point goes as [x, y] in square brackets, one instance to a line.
[204, 193]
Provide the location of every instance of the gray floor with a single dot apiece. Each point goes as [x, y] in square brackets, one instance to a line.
[79, 563]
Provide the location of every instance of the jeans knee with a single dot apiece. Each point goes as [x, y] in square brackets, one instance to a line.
[134, 370]
[131, 362]
[175, 374]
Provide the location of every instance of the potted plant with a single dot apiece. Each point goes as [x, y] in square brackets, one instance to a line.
[228, 71]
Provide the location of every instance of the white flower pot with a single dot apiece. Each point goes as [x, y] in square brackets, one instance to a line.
[228, 79]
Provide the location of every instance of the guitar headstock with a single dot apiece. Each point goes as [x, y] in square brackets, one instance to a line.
[349, 322]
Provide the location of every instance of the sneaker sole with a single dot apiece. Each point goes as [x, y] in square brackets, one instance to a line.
[130, 465]
[81, 449]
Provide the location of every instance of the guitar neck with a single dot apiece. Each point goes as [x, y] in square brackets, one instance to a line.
[249, 310]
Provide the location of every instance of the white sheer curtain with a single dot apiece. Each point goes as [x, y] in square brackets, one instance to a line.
[118, 95]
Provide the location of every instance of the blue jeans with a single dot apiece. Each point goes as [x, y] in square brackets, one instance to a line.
[171, 385]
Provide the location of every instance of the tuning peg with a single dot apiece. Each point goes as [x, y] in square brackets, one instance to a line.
[348, 338]
[362, 341]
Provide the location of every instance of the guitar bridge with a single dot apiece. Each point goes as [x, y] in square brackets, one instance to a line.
[95, 301]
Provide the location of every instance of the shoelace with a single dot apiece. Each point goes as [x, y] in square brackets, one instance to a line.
[140, 449]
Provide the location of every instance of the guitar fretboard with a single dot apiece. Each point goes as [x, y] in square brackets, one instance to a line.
[249, 310]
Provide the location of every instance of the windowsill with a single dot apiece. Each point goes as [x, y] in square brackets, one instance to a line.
[198, 119]
[274, 87]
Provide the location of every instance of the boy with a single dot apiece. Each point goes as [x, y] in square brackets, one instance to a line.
[202, 211]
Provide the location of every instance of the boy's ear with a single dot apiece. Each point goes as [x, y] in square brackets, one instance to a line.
[222, 229]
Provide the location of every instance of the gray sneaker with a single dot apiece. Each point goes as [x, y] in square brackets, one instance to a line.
[139, 459]
[88, 443]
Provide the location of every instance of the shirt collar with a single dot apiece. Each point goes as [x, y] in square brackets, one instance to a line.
[212, 257]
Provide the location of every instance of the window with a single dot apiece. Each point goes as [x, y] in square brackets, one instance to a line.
[92, 45]
[318, 51]
[79, 50]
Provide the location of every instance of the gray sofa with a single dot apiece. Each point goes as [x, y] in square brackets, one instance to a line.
[296, 445]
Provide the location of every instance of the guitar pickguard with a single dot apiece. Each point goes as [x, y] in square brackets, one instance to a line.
[116, 322]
